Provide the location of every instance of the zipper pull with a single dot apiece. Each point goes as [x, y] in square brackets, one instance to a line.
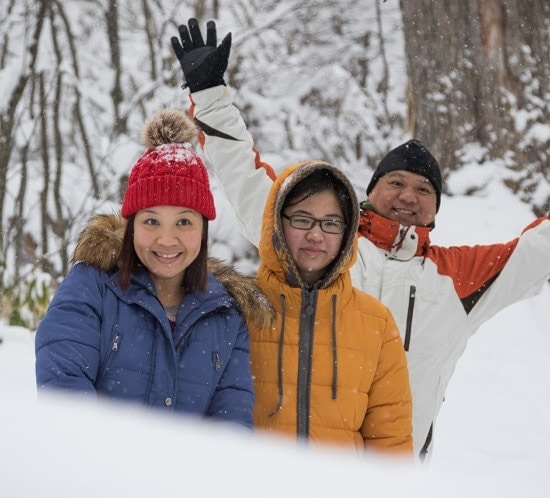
[217, 362]
[116, 341]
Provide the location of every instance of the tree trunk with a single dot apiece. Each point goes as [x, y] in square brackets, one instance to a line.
[8, 114]
[478, 73]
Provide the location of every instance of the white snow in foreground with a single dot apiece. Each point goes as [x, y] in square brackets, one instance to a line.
[492, 437]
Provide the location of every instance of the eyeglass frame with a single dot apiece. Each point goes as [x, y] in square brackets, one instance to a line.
[315, 221]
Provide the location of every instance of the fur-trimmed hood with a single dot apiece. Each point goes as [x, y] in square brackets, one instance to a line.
[100, 242]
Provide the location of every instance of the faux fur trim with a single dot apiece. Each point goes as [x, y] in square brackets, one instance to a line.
[246, 291]
[100, 242]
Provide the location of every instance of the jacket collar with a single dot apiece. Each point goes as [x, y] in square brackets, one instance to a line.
[397, 241]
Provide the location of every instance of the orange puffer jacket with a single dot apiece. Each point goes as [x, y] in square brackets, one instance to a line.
[331, 368]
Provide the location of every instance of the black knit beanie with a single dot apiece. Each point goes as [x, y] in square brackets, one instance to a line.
[414, 157]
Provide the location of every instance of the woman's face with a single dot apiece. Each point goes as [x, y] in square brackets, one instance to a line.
[167, 239]
[313, 250]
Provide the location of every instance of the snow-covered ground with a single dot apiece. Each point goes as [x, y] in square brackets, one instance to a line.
[492, 436]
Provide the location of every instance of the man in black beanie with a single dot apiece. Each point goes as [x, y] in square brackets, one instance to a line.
[406, 186]
[439, 296]
[414, 157]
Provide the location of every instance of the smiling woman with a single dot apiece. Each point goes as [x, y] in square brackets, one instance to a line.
[314, 225]
[142, 319]
[167, 239]
[170, 173]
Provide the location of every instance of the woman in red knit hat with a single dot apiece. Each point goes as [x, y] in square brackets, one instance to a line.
[139, 317]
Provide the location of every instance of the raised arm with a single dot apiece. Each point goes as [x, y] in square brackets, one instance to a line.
[520, 268]
[227, 144]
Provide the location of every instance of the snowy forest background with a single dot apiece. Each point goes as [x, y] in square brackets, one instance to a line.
[341, 81]
[313, 78]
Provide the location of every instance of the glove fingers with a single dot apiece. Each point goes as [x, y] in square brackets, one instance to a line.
[195, 32]
[211, 35]
[187, 44]
[178, 49]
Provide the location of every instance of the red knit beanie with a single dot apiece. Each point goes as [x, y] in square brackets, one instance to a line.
[170, 173]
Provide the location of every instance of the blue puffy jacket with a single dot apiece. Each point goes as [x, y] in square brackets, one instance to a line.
[98, 339]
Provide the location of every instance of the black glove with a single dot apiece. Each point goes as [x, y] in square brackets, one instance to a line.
[203, 65]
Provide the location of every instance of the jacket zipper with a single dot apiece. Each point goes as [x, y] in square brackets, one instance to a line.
[408, 326]
[307, 320]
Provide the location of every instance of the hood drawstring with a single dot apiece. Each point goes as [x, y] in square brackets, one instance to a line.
[334, 350]
[280, 358]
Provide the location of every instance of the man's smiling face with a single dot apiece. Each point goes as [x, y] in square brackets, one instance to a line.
[405, 197]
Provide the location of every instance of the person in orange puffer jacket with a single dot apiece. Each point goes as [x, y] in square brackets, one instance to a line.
[331, 369]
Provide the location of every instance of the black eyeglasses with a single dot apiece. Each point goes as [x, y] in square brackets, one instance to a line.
[301, 222]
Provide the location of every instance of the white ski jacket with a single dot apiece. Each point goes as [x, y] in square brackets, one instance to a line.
[439, 296]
